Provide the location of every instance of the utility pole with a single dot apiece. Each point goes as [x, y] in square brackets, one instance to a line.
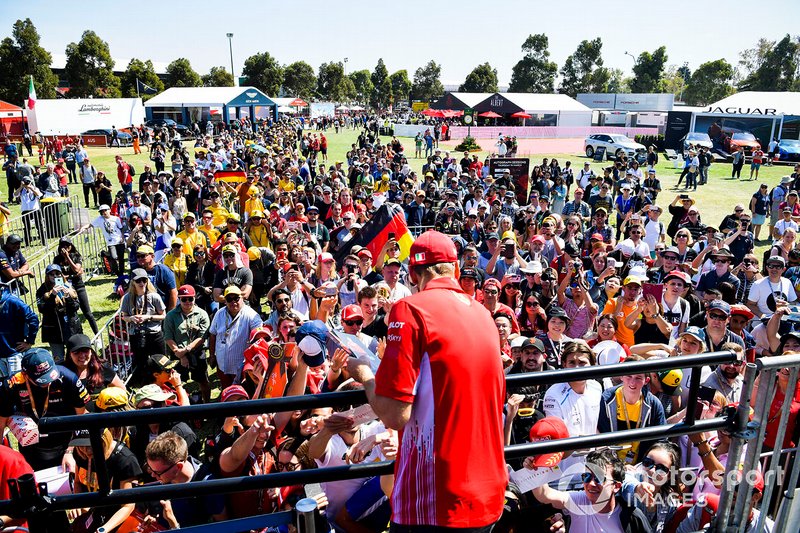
[230, 47]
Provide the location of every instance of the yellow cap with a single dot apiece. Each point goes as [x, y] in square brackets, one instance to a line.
[232, 289]
[145, 249]
[177, 240]
[229, 248]
[257, 213]
[509, 235]
[253, 253]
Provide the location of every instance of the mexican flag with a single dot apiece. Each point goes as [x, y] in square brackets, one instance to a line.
[31, 95]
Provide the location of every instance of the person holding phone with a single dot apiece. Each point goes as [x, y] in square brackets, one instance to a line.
[58, 303]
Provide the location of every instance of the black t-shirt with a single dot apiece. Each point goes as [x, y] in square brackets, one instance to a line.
[121, 466]
[197, 510]
[241, 277]
[75, 280]
[64, 395]
[378, 327]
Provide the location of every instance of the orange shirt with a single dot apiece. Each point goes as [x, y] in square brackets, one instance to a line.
[624, 335]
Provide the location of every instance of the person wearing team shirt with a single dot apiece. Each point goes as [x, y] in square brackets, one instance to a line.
[41, 389]
[577, 403]
[422, 389]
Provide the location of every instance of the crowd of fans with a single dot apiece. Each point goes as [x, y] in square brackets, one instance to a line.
[235, 270]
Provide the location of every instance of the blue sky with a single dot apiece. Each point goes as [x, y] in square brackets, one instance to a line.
[407, 34]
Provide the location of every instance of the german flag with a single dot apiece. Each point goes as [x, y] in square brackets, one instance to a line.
[389, 218]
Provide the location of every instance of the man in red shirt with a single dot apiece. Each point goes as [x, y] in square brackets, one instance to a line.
[12, 466]
[441, 385]
[124, 175]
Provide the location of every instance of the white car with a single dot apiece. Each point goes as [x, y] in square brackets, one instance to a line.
[696, 139]
[614, 145]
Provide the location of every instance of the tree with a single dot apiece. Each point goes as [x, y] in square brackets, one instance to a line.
[381, 96]
[482, 79]
[181, 74]
[363, 84]
[426, 86]
[617, 82]
[777, 70]
[218, 77]
[709, 83]
[685, 72]
[751, 59]
[401, 85]
[299, 79]
[583, 71]
[672, 81]
[333, 85]
[534, 73]
[145, 73]
[264, 73]
[648, 70]
[20, 57]
[90, 69]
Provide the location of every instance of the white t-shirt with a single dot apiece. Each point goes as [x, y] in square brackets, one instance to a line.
[783, 225]
[764, 292]
[339, 492]
[584, 520]
[578, 411]
[654, 229]
[111, 228]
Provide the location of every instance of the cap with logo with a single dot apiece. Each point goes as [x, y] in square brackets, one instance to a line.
[234, 392]
[352, 312]
[720, 305]
[112, 398]
[39, 366]
[695, 332]
[548, 428]
[139, 273]
[79, 341]
[145, 249]
[186, 290]
[670, 381]
[431, 248]
[161, 363]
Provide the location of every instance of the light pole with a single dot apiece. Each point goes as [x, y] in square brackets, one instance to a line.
[230, 47]
[632, 57]
[345, 66]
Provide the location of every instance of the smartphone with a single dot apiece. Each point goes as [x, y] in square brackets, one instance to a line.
[508, 251]
[59, 282]
[280, 255]
[331, 291]
[611, 262]
[392, 235]
[655, 289]
[704, 394]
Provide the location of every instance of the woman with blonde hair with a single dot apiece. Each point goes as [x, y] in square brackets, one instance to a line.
[143, 310]
[123, 471]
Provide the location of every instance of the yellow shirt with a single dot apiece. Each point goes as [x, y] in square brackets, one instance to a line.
[190, 240]
[286, 185]
[220, 215]
[211, 232]
[3, 220]
[258, 234]
[251, 204]
[628, 418]
[178, 265]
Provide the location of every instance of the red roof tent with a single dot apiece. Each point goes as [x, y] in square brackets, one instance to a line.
[298, 102]
[12, 120]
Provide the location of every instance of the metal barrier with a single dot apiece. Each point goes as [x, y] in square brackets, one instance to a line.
[96, 422]
[416, 231]
[55, 218]
[730, 516]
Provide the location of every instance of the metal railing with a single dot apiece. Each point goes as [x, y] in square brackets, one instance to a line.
[55, 218]
[96, 422]
[113, 346]
[416, 231]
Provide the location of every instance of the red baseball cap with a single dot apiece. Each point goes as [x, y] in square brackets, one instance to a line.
[596, 236]
[679, 274]
[234, 392]
[186, 290]
[742, 310]
[538, 238]
[365, 252]
[259, 333]
[432, 248]
[352, 311]
[548, 428]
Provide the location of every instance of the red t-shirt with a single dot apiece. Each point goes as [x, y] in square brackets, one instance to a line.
[442, 355]
[12, 465]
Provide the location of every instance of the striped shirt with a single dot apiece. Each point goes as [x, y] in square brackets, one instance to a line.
[232, 334]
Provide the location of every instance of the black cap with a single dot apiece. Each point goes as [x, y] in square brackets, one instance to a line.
[79, 341]
[557, 312]
[13, 239]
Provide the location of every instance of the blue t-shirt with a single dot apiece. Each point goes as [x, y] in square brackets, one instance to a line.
[164, 280]
[199, 509]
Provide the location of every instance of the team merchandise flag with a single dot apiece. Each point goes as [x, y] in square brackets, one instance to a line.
[31, 95]
[389, 218]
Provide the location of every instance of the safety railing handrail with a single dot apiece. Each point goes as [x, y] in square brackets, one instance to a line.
[330, 399]
[357, 471]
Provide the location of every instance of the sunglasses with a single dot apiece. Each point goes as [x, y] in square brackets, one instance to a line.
[671, 257]
[353, 322]
[649, 463]
[717, 316]
[291, 467]
[532, 304]
[588, 477]
[232, 298]
[140, 281]
[774, 265]
[491, 292]
[682, 237]
[187, 299]
[721, 261]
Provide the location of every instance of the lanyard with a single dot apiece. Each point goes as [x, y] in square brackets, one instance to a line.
[33, 401]
[625, 411]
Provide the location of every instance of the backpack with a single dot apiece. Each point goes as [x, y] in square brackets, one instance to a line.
[109, 263]
[131, 170]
